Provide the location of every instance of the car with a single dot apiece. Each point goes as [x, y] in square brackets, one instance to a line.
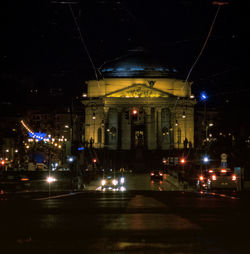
[203, 181]
[156, 175]
[222, 178]
[12, 181]
[113, 182]
[217, 178]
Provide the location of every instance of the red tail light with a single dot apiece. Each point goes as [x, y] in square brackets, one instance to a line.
[152, 174]
[213, 177]
[210, 171]
[234, 177]
[160, 173]
[201, 178]
[223, 170]
[23, 179]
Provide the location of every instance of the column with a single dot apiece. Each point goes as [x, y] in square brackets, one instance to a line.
[113, 128]
[106, 124]
[150, 128]
[165, 128]
[159, 127]
[119, 132]
[125, 130]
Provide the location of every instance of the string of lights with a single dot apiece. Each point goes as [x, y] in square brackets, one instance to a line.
[39, 136]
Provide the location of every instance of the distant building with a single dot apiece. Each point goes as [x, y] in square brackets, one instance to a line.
[139, 103]
[206, 126]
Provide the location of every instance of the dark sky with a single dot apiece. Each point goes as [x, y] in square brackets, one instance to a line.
[42, 46]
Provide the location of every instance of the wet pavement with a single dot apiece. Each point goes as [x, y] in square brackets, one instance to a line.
[136, 221]
[143, 182]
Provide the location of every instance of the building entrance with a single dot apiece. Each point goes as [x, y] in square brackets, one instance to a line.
[138, 138]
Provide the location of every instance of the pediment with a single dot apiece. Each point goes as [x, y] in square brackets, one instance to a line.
[137, 91]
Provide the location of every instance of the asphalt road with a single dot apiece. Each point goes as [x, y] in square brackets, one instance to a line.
[140, 182]
[135, 221]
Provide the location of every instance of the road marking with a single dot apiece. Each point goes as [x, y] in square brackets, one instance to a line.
[140, 201]
[58, 196]
[140, 218]
[218, 195]
[140, 247]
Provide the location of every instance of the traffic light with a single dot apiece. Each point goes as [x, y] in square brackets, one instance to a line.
[182, 160]
[134, 114]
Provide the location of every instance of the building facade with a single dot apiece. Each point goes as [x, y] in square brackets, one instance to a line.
[138, 103]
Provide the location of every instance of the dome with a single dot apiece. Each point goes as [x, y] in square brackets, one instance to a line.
[138, 63]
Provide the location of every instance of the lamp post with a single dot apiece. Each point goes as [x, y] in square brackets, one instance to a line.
[204, 99]
[93, 117]
[205, 160]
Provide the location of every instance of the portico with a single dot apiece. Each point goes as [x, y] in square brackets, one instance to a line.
[153, 111]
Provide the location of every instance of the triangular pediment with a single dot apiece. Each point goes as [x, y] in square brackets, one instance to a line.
[138, 90]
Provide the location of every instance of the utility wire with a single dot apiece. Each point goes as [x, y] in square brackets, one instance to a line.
[201, 51]
[204, 45]
[84, 44]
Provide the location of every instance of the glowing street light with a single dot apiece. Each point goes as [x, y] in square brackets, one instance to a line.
[205, 159]
[182, 160]
[134, 111]
[203, 96]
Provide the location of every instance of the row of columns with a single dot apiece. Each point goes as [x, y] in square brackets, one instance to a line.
[158, 124]
[118, 129]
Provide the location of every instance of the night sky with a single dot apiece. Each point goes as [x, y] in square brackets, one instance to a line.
[42, 46]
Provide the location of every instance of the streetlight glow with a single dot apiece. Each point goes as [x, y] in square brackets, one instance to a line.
[205, 159]
[203, 96]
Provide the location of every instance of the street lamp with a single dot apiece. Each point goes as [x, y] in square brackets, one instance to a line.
[205, 159]
[204, 97]
[182, 161]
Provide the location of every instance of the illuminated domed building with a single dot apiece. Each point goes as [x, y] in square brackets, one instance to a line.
[139, 102]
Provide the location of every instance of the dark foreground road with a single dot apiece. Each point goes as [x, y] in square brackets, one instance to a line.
[130, 222]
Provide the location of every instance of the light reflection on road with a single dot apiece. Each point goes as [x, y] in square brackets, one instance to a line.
[139, 182]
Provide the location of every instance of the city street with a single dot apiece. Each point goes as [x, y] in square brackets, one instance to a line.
[124, 128]
[135, 221]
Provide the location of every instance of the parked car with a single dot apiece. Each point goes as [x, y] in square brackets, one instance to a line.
[13, 181]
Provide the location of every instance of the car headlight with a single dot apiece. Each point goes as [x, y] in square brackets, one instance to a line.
[115, 182]
[50, 179]
[122, 180]
[103, 182]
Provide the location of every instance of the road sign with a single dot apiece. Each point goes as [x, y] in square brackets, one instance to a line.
[223, 164]
[223, 156]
